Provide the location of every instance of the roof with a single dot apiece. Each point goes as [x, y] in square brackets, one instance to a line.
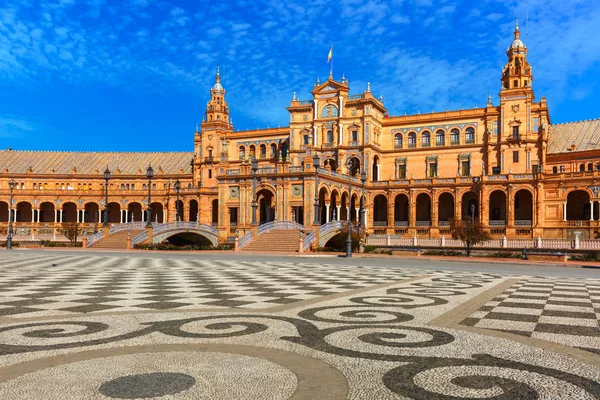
[64, 162]
[585, 135]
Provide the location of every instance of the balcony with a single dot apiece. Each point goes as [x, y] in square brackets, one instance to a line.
[209, 160]
[354, 143]
[306, 102]
[498, 222]
[400, 223]
[423, 224]
[328, 145]
[380, 223]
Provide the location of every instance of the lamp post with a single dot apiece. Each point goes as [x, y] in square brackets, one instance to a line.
[149, 175]
[363, 179]
[177, 187]
[350, 165]
[473, 214]
[106, 179]
[316, 165]
[254, 203]
[11, 186]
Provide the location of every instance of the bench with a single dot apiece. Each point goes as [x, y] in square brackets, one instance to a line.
[541, 256]
[410, 251]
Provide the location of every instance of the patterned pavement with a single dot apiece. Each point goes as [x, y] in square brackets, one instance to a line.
[105, 327]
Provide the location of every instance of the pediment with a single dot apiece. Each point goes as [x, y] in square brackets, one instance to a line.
[330, 86]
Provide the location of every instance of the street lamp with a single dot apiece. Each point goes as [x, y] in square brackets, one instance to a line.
[177, 187]
[149, 175]
[254, 167]
[363, 179]
[106, 178]
[350, 165]
[316, 165]
[473, 214]
[11, 186]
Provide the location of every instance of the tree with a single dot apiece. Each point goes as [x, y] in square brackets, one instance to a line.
[71, 231]
[470, 232]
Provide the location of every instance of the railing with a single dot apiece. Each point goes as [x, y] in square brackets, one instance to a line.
[497, 177]
[94, 238]
[266, 170]
[232, 172]
[306, 102]
[247, 238]
[330, 226]
[522, 222]
[136, 225]
[329, 144]
[498, 222]
[400, 223]
[443, 223]
[309, 240]
[380, 223]
[139, 238]
[269, 226]
[184, 225]
[425, 224]
[297, 169]
[355, 97]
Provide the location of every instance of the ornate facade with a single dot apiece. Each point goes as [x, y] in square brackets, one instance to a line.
[520, 175]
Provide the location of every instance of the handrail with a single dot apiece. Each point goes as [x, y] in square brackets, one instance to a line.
[140, 238]
[269, 226]
[126, 226]
[95, 238]
[247, 238]
[309, 240]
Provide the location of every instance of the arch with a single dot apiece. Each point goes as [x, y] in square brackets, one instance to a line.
[284, 150]
[555, 170]
[23, 212]
[380, 210]
[91, 212]
[47, 212]
[455, 136]
[157, 214]
[375, 169]
[331, 163]
[440, 137]
[523, 203]
[445, 207]
[356, 169]
[273, 150]
[425, 139]
[469, 199]
[114, 213]
[266, 204]
[498, 207]
[334, 202]
[193, 205]
[582, 167]
[412, 139]
[590, 167]
[189, 238]
[401, 207]
[329, 111]
[242, 151]
[329, 138]
[578, 205]
[263, 151]
[214, 208]
[470, 135]
[423, 208]
[3, 211]
[69, 212]
[134, 212]
[398, 141]
[345, 207]
[252, 151]
[323, 199]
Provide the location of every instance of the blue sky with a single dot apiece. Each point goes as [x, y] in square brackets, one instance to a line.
[134, 75]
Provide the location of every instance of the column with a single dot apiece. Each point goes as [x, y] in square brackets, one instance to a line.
[327, 212]
[61, 215]
[592, 210]
[55, 216]
[164, 216]
[357, 211]
[341, 133]
[32, 215]
[564, 211]
[100, 215]
[412, 214]
[338, 212]
[121, 219]
[366, 218]
[77, 211]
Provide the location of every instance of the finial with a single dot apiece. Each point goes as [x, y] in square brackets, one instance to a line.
[489, 99]
[368, 86]
[318, 81]
[196, 128]
[517, 24]
[218, 73]
[294, 97]
[343, 78]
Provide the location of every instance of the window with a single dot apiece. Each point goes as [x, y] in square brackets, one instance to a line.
[330, 136]
[354, 135]
[401, 173]
[432, 173]
[495, 128]
[398, 141]
[274, 149]
[252, 152]
[581, 167]
[242, 153]
[465, 168]
[425, 139]
[562, 168]
[412, 140]
[263, 151]
[470, 136]
[209, 173]
[515, 132]
[590, 167]
[555, 170]
[306, 139]
[209, 153]
[515, 156]
[455, 136]
[536, 124]
[515, 83]
[440, 138]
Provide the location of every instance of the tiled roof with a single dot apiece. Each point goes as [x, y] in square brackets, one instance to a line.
[585, 135]
[63, 162]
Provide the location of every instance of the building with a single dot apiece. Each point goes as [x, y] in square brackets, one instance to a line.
[507, 164]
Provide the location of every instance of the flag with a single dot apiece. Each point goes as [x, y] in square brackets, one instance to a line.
[330, 54]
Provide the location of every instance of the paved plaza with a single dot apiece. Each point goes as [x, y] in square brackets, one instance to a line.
[91, 325]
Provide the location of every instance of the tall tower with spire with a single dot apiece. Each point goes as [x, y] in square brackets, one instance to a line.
[210, 143]
[516, 73]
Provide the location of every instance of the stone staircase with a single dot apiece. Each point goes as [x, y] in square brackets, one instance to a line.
[284, 240]
[117, 240]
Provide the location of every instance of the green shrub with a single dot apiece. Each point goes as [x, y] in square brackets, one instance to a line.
[593, 256]
[369, 249]
[14, 244]
[448, 253]
[504, 254]
[169, 246]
